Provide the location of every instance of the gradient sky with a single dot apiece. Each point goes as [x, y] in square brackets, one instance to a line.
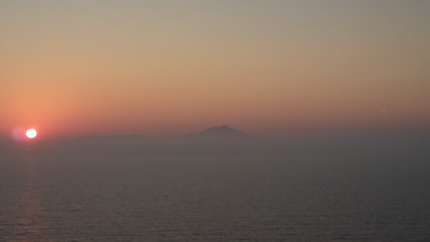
[268, 67]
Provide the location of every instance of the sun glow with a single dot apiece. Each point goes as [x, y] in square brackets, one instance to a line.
[31, 133]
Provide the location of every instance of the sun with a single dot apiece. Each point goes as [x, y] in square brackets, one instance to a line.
[31, 133]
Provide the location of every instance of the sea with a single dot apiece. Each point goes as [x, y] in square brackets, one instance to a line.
[267, 197]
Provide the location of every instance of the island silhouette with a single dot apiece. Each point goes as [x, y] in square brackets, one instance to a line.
[223, 132]
[219, 140]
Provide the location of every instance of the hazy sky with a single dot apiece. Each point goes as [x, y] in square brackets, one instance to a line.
[71, 68]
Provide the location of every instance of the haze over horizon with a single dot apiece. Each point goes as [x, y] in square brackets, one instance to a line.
[76, 68]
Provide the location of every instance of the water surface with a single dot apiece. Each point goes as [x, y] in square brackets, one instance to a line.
[319, 197]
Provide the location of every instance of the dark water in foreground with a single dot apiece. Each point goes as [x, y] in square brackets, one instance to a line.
[281, 197]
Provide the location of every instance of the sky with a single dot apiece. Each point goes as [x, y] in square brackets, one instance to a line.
[266, 67]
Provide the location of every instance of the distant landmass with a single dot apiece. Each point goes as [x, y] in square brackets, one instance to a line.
[218, 140]
[215, 140]
[223, 132]
[218, 132]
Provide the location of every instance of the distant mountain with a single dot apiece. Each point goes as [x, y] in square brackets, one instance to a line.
[223, 132]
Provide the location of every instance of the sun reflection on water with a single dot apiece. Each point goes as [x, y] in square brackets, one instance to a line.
[29, 223]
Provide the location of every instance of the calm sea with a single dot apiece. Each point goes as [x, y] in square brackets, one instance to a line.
[320, 197]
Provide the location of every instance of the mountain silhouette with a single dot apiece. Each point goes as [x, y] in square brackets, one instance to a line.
[223, 132]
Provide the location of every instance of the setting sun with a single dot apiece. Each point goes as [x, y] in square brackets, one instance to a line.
[31, 133]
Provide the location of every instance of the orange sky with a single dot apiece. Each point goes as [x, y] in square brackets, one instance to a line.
[71, 68]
